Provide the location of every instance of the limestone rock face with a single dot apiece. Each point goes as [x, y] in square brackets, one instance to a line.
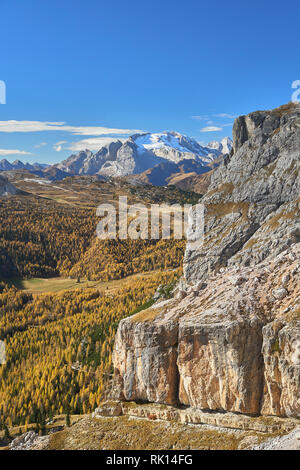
[219, 347]
[220, 364]
[145, 358]
[281, 351]
[229, 340]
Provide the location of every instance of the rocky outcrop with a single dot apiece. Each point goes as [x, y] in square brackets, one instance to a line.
[281, 351]
[6, 188]
[230, 338]
[252, 205]
[145, 358]
[220, 363]
[232, 345]
[194, 416]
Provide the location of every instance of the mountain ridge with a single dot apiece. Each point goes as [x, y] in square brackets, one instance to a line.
[156, 158]
[141, 152]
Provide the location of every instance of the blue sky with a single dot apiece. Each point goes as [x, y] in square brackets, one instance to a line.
[99, 69]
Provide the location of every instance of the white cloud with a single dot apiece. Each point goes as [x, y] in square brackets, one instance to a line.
[209, 117]
[201, 118]
[13, 152]
[211, 129]
[29, 126]
[39, 126]
[58, 146]
[100, 131]
[42, 144]
[92, 144]
[226, 115]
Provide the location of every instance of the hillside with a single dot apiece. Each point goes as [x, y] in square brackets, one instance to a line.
[63, 291]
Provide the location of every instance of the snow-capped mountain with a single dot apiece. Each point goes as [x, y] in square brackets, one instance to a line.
[224, 146]
[174, 147]
[140, 152]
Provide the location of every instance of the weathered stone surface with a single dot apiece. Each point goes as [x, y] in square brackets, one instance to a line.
[108, 408]
[281, 351]
[142, 152]
[144, 358]
[29, 441]
[206, 350]
[6, 188]
[220, 363]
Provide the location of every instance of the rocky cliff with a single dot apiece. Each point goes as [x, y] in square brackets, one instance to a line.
[252, 205]
[6, 188]
[229, 339]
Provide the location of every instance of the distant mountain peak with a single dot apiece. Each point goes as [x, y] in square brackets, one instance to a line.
[5, 165]
[224, 146]
[141, 152]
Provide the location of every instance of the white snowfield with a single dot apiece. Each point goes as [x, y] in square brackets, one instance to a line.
[168, 139]
[224, 146]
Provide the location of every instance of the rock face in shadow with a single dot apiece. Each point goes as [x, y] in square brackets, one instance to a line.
[229, 340]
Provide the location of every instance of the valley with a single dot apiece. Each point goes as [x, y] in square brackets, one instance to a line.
[60, 298]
